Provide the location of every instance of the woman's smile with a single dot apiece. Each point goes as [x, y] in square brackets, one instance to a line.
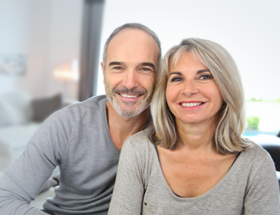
[192, 93]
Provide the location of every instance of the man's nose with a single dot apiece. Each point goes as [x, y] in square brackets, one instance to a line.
[130, 80]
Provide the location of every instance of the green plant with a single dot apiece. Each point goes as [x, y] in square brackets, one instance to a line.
[253, 122]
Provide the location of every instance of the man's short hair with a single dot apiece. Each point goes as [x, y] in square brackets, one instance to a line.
[131, 26]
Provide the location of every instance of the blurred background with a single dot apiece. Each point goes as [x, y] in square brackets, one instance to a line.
[50, 53]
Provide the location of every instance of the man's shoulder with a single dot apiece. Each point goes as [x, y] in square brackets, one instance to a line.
[88, 111]
[93, 104]
[93, 101]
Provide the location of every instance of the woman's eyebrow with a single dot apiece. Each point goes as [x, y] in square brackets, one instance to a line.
[198, 72]
[203, 70]
[175, 73]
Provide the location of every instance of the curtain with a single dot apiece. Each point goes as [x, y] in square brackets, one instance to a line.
[90, 48]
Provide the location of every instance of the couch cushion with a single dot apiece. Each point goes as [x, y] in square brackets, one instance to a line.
[15, 108]
[13, 140]
[43, 107]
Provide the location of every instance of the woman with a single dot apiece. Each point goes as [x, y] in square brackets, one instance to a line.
[192, 159]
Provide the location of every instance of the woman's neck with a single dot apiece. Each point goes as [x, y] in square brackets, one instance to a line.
[196, 136]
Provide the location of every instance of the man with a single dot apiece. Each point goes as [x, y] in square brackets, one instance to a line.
[85, 139]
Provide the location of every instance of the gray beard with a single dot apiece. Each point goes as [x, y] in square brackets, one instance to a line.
[125, 113]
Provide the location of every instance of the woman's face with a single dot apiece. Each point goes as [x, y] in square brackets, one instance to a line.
[192, 93]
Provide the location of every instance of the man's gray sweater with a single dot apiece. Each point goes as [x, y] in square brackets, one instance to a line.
[77, 139]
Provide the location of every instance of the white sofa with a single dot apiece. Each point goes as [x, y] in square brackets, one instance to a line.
[16, 125]
[20, 117]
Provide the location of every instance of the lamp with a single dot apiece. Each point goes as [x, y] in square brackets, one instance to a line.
[66, 72]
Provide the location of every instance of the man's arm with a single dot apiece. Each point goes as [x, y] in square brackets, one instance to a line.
[24, 179]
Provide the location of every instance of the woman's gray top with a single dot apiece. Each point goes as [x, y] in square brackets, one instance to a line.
[249, 187]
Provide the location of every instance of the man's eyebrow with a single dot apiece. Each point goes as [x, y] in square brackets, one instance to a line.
[115, 63]
[148, 64]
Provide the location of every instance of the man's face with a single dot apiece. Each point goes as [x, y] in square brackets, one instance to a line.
[130, 71]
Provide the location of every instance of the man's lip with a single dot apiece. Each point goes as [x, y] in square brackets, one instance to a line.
[129, 96]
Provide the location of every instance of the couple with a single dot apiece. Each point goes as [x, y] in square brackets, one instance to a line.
[191, 159]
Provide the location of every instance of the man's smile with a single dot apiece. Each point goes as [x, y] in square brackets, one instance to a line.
[129, 96]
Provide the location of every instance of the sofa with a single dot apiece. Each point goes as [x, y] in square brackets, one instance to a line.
[20, 117]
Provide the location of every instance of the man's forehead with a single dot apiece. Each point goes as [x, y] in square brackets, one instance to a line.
[132, 45]
[131, 34]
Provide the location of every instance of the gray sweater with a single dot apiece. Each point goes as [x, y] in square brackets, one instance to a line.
[77, 139]
[250, 187]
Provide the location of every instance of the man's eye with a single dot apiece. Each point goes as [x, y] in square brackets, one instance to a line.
[145, 69]
[206, 77]
[117, 68]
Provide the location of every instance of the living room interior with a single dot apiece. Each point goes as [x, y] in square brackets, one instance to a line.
[44, 54]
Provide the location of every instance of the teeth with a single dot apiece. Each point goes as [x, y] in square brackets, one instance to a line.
[191, 104]
[129, 96]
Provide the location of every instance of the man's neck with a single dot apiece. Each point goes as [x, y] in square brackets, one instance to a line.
[121, 127]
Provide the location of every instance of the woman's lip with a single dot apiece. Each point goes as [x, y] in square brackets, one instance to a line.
[191, 102]
[191, 105]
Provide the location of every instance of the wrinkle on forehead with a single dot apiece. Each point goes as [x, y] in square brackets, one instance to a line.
[133, 45]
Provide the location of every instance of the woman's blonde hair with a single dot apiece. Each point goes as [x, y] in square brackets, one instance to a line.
[231, 122]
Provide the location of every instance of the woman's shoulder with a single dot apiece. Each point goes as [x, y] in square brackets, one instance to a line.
[256, 156]
[139, 143]
[256, 151]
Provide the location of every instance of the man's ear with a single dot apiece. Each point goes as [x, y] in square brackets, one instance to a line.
[102, 66]
[103, 72]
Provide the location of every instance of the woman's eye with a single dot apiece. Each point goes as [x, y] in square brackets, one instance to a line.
[205, 77]
[176, 79]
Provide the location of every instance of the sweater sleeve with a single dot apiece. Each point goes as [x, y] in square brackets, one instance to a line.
[262, 194]
[129, 187]
[24, 179]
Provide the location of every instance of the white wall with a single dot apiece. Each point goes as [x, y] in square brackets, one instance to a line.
[15, 25]
[65, 40]
[247, 29]
[38, 27]
[48, 33]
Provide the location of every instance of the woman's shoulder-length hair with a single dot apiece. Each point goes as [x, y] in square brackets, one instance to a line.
[231, 122]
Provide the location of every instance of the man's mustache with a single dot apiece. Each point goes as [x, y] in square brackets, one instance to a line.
[124, 90]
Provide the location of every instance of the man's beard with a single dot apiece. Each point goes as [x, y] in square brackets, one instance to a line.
[118, 105]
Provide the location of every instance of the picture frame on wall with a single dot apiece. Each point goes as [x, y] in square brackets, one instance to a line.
[13, 64]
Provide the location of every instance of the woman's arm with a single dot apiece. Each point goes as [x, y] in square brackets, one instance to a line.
[129, 187]
[262, 196]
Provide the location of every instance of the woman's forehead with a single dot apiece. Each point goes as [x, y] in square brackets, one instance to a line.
[182, 53]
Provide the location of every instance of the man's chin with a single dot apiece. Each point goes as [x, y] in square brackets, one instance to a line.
[128, 109]
[130, 112]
